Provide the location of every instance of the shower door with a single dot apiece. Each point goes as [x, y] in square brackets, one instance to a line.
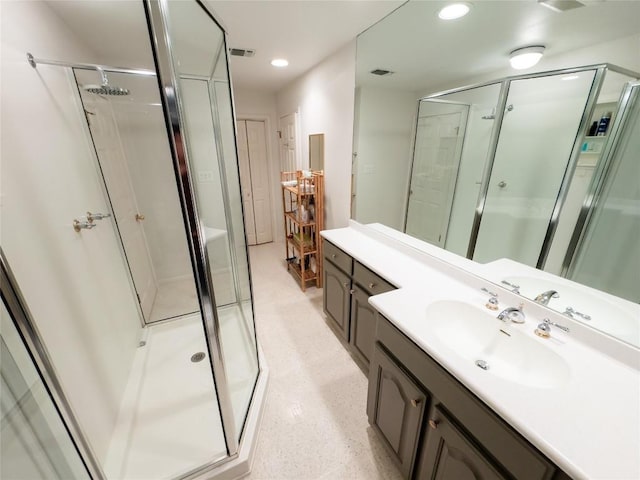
[536, 142]
[193, 73]
[608, 256]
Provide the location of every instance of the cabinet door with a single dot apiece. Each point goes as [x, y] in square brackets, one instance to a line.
[449, 455]
[336, 297]
[363, 326]
[395, 407]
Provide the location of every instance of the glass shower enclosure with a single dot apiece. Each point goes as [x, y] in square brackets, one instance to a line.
[145, 359]
[502, 169]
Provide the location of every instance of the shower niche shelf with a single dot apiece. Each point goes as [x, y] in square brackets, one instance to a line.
[303, 206]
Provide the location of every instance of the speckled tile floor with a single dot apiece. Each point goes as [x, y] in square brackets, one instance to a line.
[315, 424]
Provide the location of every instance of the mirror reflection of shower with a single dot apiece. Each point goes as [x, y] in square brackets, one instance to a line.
[126, 123]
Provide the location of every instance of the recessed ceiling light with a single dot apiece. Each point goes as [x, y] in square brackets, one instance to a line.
[526, 57]
[454, 10]
[570, 77]
[279, 62]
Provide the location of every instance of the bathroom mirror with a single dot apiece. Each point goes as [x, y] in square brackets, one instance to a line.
[316, 151]
[430, 156]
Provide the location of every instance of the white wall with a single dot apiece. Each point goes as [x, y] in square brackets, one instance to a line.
[324, 98]
[385, 130]
[253, 105]
[76, 285]
[144, 139]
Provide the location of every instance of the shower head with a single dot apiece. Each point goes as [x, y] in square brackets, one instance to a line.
[105, 88]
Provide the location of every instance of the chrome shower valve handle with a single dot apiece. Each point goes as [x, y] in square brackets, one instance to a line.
[96, 216]
[86, 225]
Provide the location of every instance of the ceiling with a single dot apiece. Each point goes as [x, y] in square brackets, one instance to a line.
[303, 32]
[425, 51]
[412, 41]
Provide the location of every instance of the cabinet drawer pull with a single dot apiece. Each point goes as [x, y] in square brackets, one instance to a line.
[415, 402]
[433, 423]
[352, 291]
[346, 284]
[333, 255]
[372, 285]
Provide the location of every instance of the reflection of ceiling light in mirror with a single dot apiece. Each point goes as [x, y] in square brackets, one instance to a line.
[453, 11]
[526, 57]
[279, 62]
[571, 77]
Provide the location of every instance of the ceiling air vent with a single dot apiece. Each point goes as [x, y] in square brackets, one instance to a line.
[561, 5]
[242, 52]
[381, 72]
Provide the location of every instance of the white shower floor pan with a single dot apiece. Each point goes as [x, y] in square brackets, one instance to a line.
[169, 421]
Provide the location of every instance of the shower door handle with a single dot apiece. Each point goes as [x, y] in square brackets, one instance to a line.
[502, 184]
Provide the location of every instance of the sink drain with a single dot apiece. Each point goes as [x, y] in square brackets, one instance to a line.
[482, 364]
[197, 357]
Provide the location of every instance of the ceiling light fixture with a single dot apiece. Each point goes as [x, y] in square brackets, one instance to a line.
[454, 10]
[526, 57]
[279, 62]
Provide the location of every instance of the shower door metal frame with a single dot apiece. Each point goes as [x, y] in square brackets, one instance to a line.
[590, 104]
[158, 18]
[601, 177]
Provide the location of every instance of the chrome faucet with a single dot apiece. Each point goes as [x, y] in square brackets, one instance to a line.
[511, 314]
[544, 297]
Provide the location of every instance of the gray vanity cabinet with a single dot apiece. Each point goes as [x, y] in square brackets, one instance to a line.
[449, 455]
[363, 316]
[396, 407]
[347, 280]
[336, 300]
[460, 438]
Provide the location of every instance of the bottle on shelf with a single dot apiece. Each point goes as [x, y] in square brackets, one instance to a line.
[593, 129]
[603, 125]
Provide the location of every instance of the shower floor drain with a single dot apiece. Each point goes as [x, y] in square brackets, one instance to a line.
[482, 364]
[197, 357]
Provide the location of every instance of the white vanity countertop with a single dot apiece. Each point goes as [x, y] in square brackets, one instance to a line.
[589, 426]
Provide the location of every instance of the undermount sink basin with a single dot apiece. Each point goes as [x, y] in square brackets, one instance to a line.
[494, 347]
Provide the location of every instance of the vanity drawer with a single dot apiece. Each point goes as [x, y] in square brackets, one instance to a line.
[368, 280]
[336, 256]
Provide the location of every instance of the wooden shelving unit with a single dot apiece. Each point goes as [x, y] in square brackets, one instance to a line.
[303, 206]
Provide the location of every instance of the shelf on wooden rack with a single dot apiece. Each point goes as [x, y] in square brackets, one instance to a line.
[308, 273]
[292, 216]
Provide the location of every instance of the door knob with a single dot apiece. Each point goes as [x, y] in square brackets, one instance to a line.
[502, 184]
[139, 217]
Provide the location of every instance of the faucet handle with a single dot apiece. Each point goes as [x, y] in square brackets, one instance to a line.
[492, 303]
[493, 294]
[570, 312]
[544, 329]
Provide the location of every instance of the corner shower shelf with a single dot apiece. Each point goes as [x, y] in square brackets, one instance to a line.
[302, 235]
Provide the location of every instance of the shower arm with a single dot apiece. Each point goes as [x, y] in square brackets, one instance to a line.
[34, 62]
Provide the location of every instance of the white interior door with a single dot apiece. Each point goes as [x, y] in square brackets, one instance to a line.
[118, 182]
[435, 166]
[245, 182]
[288, 143]
[254, 178]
